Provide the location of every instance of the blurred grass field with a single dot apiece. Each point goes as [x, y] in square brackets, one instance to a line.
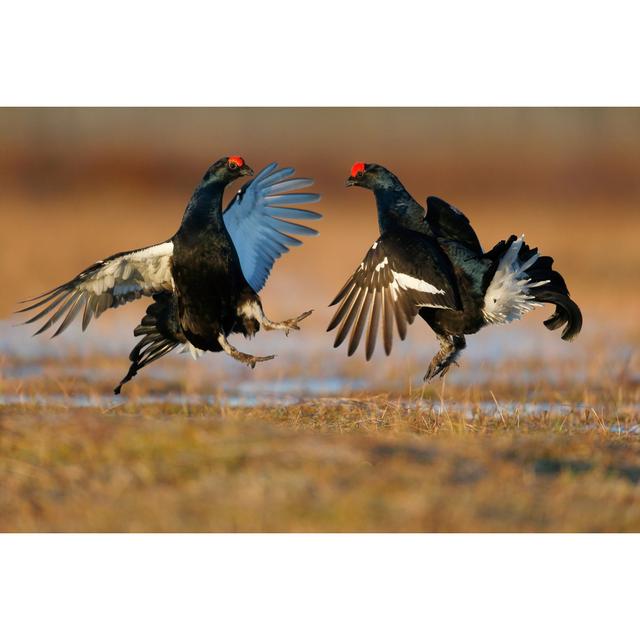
[360, 464]
[529, 434]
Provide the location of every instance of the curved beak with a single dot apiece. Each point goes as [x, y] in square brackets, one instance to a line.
[350, 182]
[246, 170]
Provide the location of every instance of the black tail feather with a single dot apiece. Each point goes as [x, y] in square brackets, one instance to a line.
[567, 313]
[161, 333]
[554, 291]
[556, 320]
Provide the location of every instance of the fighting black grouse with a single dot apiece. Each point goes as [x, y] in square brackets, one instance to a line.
[431, 264]
[206, 278]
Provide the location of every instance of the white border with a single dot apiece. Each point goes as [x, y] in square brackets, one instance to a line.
[295, 586]
[286, 52]
[465, 53]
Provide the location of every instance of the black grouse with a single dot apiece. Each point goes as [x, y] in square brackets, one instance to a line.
[205, 279]
[431, 264]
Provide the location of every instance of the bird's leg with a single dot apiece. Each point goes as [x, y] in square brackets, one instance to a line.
[245, 358]
[450, 348]
[253, 309]
[285, 325]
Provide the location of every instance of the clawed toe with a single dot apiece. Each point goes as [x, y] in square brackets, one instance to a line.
[304, 315]
[245, 358]
[293, 323]
[451, 347]
[431, 373]
[252, 360]
[435, 369]
[288, 325]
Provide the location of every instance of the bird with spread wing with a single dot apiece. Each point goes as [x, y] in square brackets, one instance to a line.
[430, 263]
[204, 280]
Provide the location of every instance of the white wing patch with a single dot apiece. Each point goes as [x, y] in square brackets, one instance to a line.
[508, 296]
[106, 284]
[135, 272]
[404, 281]
[380, 265]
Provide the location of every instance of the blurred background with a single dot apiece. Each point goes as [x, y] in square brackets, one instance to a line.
[79, 184]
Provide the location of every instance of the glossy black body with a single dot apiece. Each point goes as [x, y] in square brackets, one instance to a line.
[456, 244]
[209, 284]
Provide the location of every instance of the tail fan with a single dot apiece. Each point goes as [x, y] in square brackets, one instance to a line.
[541, 284]
[161, 332]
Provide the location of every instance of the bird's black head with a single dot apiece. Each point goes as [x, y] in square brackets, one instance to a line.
[226, 170]
[370, 176]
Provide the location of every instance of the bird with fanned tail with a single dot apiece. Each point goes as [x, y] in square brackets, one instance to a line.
[205, 279]
[430, 263]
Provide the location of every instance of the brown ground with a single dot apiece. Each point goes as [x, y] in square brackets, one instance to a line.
[361, 465]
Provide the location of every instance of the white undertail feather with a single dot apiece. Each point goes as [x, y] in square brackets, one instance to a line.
[194, 351]
[508, 296]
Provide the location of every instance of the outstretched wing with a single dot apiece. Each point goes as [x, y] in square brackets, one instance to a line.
[258, 220]
[106, 284]
[397, 277]
[449, 223]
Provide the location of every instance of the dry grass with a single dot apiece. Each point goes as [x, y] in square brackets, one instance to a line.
[357, 465]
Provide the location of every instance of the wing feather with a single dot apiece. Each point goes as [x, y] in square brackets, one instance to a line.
[57, 315]
[450, 223]
[41, 299]
[356, 335]
[399, 275]
[293, 198]
[258, 220]
[299, 214]
[269, 176]
[288, 185]
[73, 311]
[286, 228]
[344, 307]
[387, 321]
[346, 288]
[401, 321]
[372, 332]
[106, 284]
[353, 311]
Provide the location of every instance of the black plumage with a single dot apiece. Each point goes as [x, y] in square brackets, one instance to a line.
[161, 333]
[431, 263]
[205, 279]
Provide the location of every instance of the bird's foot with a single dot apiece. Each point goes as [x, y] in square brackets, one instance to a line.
[286, 325]
[245, 358]
[448, 355]
[438, 366]
[250, 360]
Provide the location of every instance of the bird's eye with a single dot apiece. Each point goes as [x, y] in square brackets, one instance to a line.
[359, 174]
[233, 165]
